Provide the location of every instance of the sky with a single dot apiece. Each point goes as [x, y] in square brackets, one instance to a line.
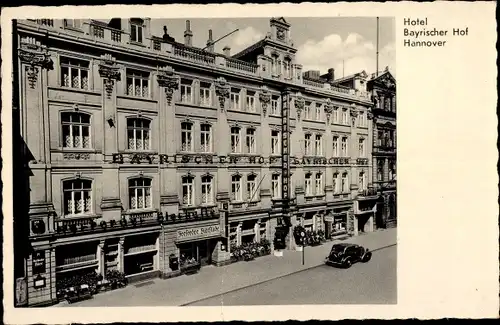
[347, 44]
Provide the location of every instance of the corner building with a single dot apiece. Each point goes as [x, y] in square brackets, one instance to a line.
[133, 144]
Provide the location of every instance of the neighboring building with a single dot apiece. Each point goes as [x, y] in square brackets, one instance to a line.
[133, 143]
[383, 89]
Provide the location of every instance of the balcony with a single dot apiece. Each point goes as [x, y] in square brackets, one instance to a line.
[241, 65]
[193, 54]
[362, 161]
[368, 193]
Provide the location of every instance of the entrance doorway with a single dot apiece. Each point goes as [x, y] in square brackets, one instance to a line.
[201, 251]
[379, 216]
[363, 222]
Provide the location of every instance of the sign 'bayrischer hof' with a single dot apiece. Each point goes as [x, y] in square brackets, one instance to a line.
[162, 159]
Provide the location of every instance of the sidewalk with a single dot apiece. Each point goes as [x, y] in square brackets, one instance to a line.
[212, 281]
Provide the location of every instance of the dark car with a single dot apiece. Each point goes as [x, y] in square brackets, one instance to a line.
[345, 255]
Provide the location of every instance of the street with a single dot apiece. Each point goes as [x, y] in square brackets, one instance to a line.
[370, 283]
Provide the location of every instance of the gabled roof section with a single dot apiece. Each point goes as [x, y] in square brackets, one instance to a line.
[384, 79]
[257, 47]
[280, 21]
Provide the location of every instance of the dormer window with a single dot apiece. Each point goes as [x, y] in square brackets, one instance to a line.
[73, 23]
[136, 30]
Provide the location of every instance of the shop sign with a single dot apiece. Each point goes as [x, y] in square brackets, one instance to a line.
[198, 232]
[329, 218]
[38, 262]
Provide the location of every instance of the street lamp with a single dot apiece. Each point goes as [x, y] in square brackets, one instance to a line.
[303, 240]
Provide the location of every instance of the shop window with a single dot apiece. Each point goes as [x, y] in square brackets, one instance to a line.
[236, 194]
[250, 141]
[252, 188]
[206, 138]
[139, 190]
[308, 184]
[188, 191]
[76, 130]
[276, 186]
[187, 136]
[275, 142]
[235, 140]
[77, 197]
[76, 253]
[138, 133]
[140, 253]
[137, 83]
[207, 196]
[319, 184]
[74, 73]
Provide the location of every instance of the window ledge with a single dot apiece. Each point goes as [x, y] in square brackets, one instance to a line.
[87, 91]
[144, 99]
[135, 211]
[77, 150]
[71, 217]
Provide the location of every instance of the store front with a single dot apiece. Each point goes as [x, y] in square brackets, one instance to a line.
[76, 259]
[197, 252]
[140, 254]
[197, 245]
[247, 231]
[365, 216]
[335, 224]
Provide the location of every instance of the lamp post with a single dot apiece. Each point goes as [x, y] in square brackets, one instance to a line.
[303, 237]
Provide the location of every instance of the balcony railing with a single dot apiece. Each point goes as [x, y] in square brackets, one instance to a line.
[313, 83]
[241, 65]
[368, 192]
[46, 22]
[194, 54]
[362, 161]
[75, 224]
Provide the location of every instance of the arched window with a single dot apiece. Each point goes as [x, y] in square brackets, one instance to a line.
[252, 188]
[139, 191]
[187, 136]
[319, 184]
[139, 134]
[276, 185]
[188, 191]
[308, 184]
[75, 130]
[77, 197]
[345, 183]
[207, 190]
[236, 194]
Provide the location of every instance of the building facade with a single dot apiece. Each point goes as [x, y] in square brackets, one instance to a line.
[382, 86]
[133, 146]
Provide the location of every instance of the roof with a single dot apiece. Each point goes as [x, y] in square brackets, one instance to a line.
[361, 74]
[249, 49]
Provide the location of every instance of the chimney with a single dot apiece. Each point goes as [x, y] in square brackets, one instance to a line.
[210, 45]
[227, 50]
[188, 34]
[331, 75]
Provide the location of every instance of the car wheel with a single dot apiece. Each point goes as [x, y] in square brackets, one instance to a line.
[367, 257]
[347, 263]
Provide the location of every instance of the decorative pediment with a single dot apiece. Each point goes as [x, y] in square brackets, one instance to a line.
[386, 80]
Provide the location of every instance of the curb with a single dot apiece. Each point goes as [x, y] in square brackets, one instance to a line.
[272, 279]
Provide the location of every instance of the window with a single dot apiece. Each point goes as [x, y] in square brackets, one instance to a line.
[380, 170]
[336, 183]
[275, 106]
[250, 102]
[307, 111]
[207, 196]
[380, 138]
[250, 141]
[344, 147]
[308, 185]
[387, 105]
[361, 147]
[287, 67]
[137, 83]
[362, 119]
[392, 170]
[362, 183]
[235, 99]
[139, 191]
[205, 95]
[393, 104]
[345, 183]
[236, 188]
[292, 186]
[73, 23]
[136, 30]
[308, 145]
[235, 140]
[74, 73]
[156, 45]
[319, 184]
[318, 145]
[206, 138]
[252, 187]
[275, 184]
[77, 197]
[276, 70]
[76, 130]
[186, 136]
[317, 114]
[335, 146]
[186, 92]
[138, 133]
[275, 142]
[345, 116]
[188, 191]
[335, 118]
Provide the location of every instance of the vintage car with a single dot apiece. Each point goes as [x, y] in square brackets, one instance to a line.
[345, 255]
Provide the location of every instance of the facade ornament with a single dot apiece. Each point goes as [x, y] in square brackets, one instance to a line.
[76, 156]
[110, 72]
[299, 104]
[34, 57]
[265, 99]
[222, 90]
[328, 107]
[167, 79]
[369, 115]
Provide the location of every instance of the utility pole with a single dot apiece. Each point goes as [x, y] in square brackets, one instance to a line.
[234, 31]
[376, 75]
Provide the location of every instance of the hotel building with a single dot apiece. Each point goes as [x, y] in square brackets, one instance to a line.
[131, 146]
